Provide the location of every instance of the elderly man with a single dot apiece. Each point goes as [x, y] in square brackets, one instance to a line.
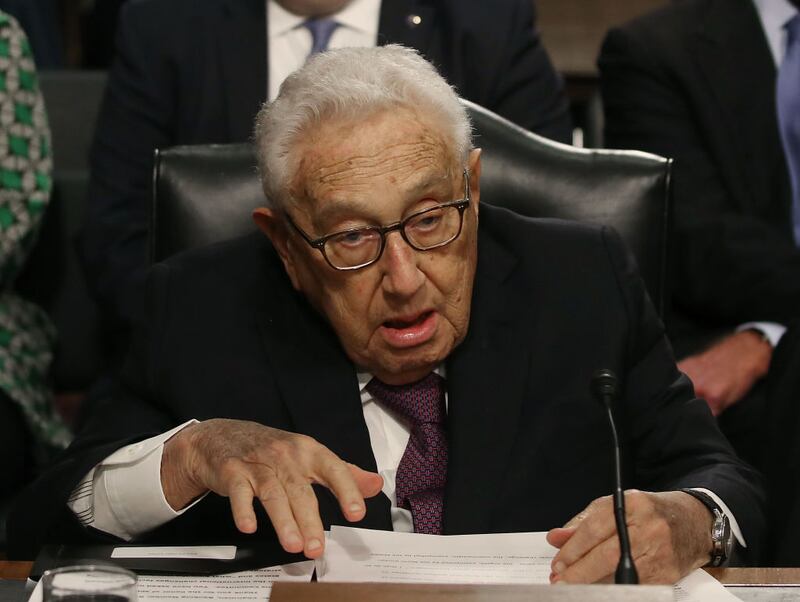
[379, 359]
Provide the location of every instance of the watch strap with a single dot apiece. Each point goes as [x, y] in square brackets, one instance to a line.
[721, 536]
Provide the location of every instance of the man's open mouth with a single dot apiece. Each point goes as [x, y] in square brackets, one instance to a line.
[403, 323]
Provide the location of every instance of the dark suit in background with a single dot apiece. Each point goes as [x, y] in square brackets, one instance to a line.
[528, 445]
[196, 72]
[696, 81]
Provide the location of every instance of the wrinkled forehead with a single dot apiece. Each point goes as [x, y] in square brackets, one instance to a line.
[354, 157]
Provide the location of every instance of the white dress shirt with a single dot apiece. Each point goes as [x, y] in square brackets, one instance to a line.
[290, 42]
[123, 495]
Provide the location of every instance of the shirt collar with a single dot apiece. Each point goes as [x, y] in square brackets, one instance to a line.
[365, 377]
[774, 15]
[280, 20]
[361, 15]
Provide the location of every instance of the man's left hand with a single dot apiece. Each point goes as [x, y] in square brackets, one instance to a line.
[670, 536]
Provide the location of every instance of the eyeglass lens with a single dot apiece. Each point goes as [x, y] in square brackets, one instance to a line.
[426, 230]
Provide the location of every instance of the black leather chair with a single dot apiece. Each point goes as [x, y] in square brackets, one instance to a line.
[204, 194]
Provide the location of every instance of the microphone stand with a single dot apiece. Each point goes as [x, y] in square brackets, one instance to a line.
[604, 386]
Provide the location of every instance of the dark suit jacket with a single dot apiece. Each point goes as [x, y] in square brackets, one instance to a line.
[696, 81]
[227, 336]
[191, 72]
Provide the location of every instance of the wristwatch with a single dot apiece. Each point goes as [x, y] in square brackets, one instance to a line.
[721, 534]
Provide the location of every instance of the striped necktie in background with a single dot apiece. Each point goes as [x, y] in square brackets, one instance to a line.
[321, 32]
[788, 102]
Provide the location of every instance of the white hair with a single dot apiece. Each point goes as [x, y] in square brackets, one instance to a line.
[349, 83]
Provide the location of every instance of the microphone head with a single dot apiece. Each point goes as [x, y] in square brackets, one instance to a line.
[604, 385]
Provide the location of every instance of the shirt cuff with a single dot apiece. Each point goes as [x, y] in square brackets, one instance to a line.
[734, 525]
[772, 331]
[122, 495]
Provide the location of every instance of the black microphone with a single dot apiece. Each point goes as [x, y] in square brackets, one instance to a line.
[604, 388]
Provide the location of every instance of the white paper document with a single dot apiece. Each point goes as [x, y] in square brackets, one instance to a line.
[249, 586]
[245, 586]
[700, 586]
[362, 555]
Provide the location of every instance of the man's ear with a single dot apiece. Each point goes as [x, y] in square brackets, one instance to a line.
[474, 166]
[272, 224]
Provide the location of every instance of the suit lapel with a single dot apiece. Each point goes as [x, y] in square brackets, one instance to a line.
[243, 49]
[318, 385]
[740, 71]
[407, 22]
[486, 381]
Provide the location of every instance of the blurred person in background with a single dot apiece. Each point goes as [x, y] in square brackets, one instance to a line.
[696, 81]
[30, 431]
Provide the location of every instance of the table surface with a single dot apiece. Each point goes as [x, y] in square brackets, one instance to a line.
[757, 576]
[14, 574]
[735, 576]
[18, 571]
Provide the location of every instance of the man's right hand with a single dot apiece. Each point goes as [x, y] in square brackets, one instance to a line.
[728, 369]
[245, 460]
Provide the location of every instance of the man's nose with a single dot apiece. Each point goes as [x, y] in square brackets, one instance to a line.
[401, 273]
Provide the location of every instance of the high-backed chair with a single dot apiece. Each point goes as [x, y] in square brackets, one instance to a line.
[204, 194]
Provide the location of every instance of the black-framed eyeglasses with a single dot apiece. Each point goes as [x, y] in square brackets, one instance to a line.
[424, 230]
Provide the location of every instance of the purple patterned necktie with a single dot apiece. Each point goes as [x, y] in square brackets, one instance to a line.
[422, 472]
[788, 102]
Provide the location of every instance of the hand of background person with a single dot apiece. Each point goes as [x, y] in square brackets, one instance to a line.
[670, 536]
[726, 371]
[245, 460]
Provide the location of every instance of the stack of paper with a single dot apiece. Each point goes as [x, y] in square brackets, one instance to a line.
[360, 555]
